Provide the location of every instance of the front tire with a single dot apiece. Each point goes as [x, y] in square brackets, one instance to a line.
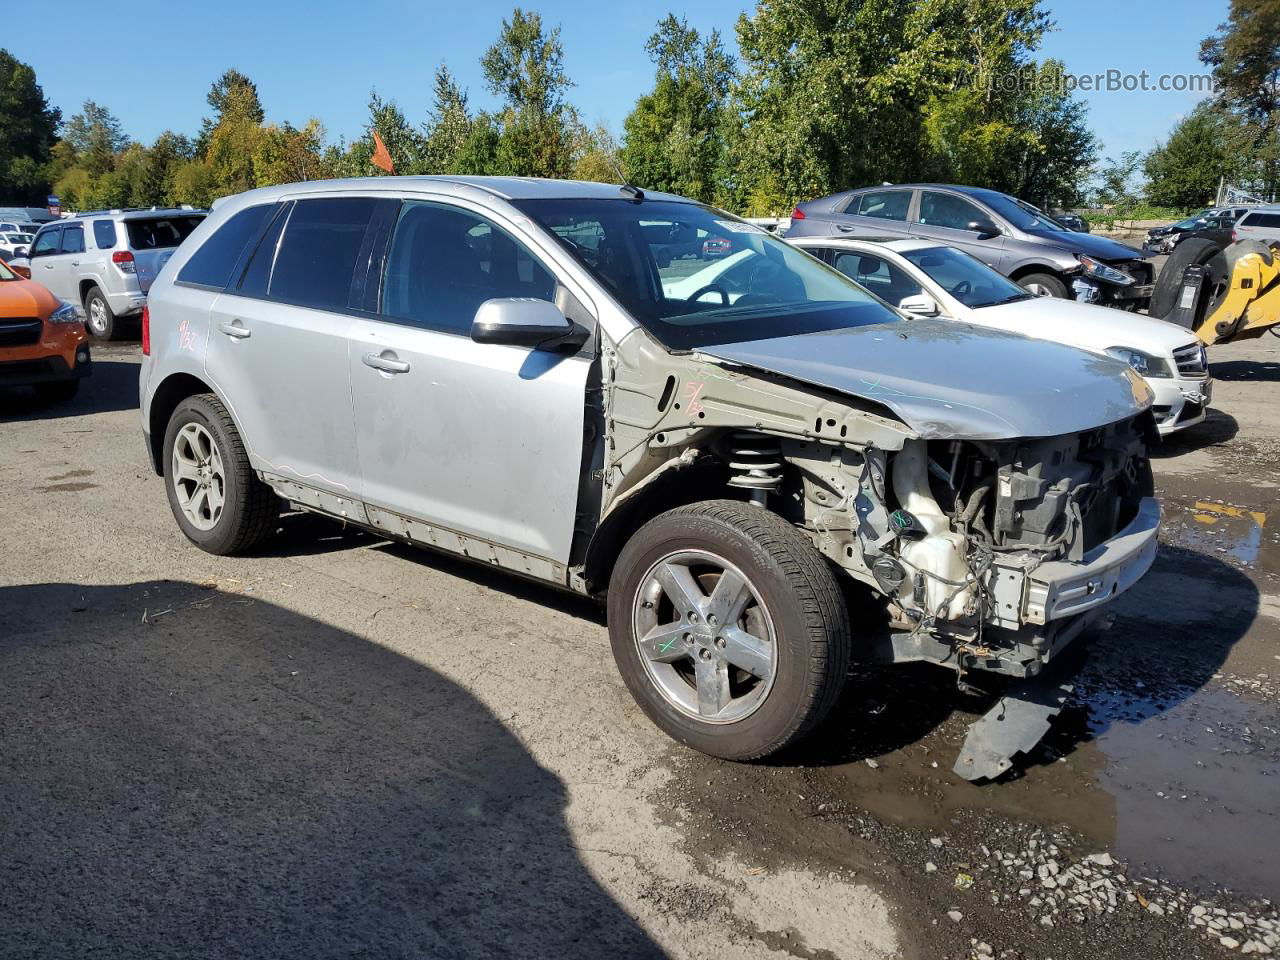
[1043, 284]
[728, 628]
[100, 320]
[218, 501]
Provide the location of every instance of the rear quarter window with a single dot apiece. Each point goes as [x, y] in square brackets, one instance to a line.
[1270, 220]
[316, 259]
[212, 264]
[160, 233]
[104, 234]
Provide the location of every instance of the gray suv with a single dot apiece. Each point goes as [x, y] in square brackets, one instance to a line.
[105, 261]
[507, 370]
[1026, 245]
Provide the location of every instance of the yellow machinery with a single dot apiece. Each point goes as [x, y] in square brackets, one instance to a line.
[1235, 295]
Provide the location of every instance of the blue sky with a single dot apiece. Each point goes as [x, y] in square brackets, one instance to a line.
[139, 60]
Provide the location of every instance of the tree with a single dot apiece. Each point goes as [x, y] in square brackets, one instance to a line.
[95, 137]
[406, 145]
[232, 96]
[169, 152]
[448, 125]
[1245, 57]
[28, 129]
[286, 154]
[525, 69]
[1115, 179]
[675, 135]
[1184, 171]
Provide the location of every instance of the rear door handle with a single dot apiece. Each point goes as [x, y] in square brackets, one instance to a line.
[75, 263]
[235, 329]
[844, 227]
[386, 364]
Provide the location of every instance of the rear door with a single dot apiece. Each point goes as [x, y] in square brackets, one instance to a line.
[153, 240]
[278, 344]
[484, 440]
[876, 213]
[945, 218]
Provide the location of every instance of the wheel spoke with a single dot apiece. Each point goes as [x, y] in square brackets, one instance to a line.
[200, 503]
[679, 585]
[665, 642]
[747, 651]
[712, 677]
[214, 496]
[729, 598]
[184, 469]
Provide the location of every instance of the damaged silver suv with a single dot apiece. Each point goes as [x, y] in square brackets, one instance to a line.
[499, 369]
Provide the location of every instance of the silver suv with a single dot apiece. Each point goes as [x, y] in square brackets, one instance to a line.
[1260, 223]
[500, 369]
[105, 261]
[1013, 237]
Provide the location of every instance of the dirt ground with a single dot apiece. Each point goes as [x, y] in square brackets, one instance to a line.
[342, 747]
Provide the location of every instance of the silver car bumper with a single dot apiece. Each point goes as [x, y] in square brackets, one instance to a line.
[1061, 589]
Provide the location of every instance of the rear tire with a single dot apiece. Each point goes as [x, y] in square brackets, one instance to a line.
[791, 632]
[100, 321]
[61, 392]
[1169, 283]
[218, 501]
[1043, 283]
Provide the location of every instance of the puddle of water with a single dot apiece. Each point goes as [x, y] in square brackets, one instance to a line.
[1215, 528]
[1196, 786]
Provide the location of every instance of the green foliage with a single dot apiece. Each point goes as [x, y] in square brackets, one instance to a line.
[675, 135]
[1184, 171]
[449, 124]
[1115, 179]
[28, 129]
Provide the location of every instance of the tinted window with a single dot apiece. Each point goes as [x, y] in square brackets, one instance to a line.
[1261, 220]
[884, 204]
[318, 251]
[104, 234]
[886, 280]
[967, 279]
[160, 233]
[72, 239]
[775, 287]
[258, 273]
[46, 243]
[445, 262]
[946, 210]
[212, 263]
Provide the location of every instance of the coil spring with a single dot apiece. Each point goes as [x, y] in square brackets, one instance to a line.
[755, 462]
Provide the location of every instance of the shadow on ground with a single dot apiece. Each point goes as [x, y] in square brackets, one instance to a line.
[1217, 428]
[113, 386]
[1253, 371]
[232, 779]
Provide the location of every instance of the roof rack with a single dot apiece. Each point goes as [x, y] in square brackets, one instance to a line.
[184, 208]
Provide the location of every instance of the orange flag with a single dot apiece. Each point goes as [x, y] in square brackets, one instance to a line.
[381, 158]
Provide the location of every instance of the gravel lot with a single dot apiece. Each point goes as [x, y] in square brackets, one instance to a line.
[343, 747]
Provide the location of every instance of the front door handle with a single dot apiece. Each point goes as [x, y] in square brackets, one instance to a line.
[48, 266]
[386, 364]
[236, 330]
[844, 227]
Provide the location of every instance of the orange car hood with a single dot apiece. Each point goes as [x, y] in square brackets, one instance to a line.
[26, 298]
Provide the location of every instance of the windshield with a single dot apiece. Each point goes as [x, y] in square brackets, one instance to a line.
[970, 281]
[694, 276]
[158, 233]
[1022, 215]
[1191, 223]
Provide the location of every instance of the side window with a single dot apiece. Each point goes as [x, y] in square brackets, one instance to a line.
[946, 210]
[317, 254]
[886, 280]
[884, 204]
[212, 263]
[445, 262]
[72, 239]
[258, 272]
[46, 243]
[104, 234]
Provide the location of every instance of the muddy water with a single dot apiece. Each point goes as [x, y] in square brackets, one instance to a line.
[1170, 754]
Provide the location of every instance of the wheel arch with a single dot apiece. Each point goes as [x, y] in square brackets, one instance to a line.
[678, 486]
[172, 391]
[1026, 269]
[87, 284]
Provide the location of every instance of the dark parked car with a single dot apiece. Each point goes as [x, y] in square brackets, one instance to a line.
[1161, 240]
[1072, 221]
[1025, 244]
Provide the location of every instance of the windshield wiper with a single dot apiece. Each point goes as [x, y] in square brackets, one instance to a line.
[1013, 299]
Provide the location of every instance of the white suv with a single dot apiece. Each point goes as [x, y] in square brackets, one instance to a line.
[105, 261]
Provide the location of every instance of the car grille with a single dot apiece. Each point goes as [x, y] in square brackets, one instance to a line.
[1191, 360]
[19, 331]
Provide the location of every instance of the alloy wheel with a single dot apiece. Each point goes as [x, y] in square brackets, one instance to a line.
[197, 476]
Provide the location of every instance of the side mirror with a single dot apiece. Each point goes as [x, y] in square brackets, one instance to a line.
[922, 305]
[985, 229]
[523, 322]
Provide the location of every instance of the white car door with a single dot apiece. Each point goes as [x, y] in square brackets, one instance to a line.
[483, 440]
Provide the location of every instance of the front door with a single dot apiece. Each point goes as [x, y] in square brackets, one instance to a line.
[945, 217]
[46, 264]
[484, 440]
